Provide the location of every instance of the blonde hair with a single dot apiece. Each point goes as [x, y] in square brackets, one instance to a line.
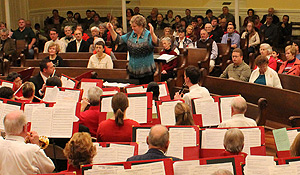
[80, 149]
[54, 45]
[295, 147]
[292, 49]
[28, 89]
[138, 20]
[183, 114]
[234, 140]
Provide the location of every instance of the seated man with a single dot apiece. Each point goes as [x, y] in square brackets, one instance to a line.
[271, 13]
[17, 157]
[90, 118]
[203, 41]
[46, 70]
[24, 33]
[238, 119]
[7, 44]
[238, 70]
[285, 30]
[228, 16]
[191, 79]
[217, 32]
[79, 45]
[158, 141]
[270, 31]
[54, 39]
[235, 38]
[69, 37]
[85, 37]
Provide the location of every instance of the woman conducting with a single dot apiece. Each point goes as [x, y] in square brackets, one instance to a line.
[140, 43]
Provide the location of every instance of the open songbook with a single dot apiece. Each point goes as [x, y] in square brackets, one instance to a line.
[86, 84]
[7, 106]
[62, 95]
[4, 83]
[166, 57]
[68, 82]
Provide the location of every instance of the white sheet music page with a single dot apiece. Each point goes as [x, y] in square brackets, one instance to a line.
[68, 95]
[86, 86]
[1, 116]
[162, 90]
[51, 94]
[106, 104]
[136, 171]
[105, 155]
[252, 138]
[167, 112]
[200, 104]
[258, 164]
[176, 144]
[210, 113]
[28, 109]
[283, 169]
[210, 168]
[225, 107]
[123, 151]
[292, 135]
[109, 92]
[213, 138]
[41, 120]
[62, 121]
[7, 84]
[141, 139]
[297, 165]
[66, 82]
[137, 89]
[157, 168]
[7, 108]
[181, 167]
[137, 109]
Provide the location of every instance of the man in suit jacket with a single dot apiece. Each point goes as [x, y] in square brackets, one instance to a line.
[270, 12]
[46, 71]
[7, 45]
[158, 141]
[79, 45]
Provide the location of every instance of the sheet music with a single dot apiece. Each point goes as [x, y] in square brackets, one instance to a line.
[167, 112]
[28, 109]
[166, 57]
[104, 170]
[210, 168]
[253, 167]
[136, 171]
[189, 135]
[181, 167]
[51, 94]
[67, 83]
[283, 169]
[200, 104]
[86, 86]
[123, 151]
[157, 168]
[209, 110]
[213, 138]
[62, 121]
[68, 95]
[7, 108]
[176, 144]
[115, 84]
[292, 135]
[105, 155]
[297, 165]
[106, 104]
[137, 109]
[41, 120]
[1, 116]
[141, 139]
[137, 89]
[252, 138]
[7, 84]
[226, 107]
[162, 90]
[109, 92]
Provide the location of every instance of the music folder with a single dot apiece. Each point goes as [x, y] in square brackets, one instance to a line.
[84, 75]
[26, 74]
[68, 82]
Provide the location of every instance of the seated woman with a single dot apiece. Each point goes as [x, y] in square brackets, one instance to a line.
[264, 75]
[28, 91]
[181, 41]
[15, 78]
[167, 68]
[266, 50]
[292, 65]
[297, 44]
[190, 33]
[79, 151]
[295, 147]
[53, 49]
[118, 128]
[100, 60]
[251, 35]
[154, 88]
[233, 143]
[183, 114]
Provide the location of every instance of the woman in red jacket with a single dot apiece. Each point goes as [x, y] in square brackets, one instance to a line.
[292, 65]
[118, 128]
[167, 68]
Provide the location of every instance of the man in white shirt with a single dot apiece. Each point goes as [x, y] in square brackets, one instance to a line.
[238, 119]
[191, 79]
[69, 37]
[54, 38]
[17, 157]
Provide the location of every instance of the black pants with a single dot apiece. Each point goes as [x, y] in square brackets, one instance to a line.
[144, 80]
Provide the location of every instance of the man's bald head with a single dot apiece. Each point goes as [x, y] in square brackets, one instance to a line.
[14, 123]
[158, 136]
[239, 105]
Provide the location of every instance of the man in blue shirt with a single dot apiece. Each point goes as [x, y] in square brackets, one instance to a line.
[235, 38]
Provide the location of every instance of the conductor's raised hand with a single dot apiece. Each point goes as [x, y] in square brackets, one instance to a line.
[109, 26]
[151, 29]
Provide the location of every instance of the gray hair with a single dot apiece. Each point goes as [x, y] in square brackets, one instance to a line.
[95, 28]
[239, 104]
[15, 126]
[168, 39]
[267, 46]
[138, 20]
[222, 172]
[6, 31]
[208, 24]
[160, 138]
[70, 27]
[234, 140]
[94, 94]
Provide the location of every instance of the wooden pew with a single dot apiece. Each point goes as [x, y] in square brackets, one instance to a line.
[75, 71]
[68, 55]
[281, 103]
[223, 59]
[118, 64]
[290, 82]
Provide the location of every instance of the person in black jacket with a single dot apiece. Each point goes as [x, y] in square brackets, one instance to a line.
[285, 31]
[83, 45]
[270, 12]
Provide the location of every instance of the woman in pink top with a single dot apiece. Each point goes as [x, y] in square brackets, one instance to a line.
[119, 128]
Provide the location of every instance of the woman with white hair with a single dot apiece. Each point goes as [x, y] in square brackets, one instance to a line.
[233, 143]
[167, 68]
[266, 50]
